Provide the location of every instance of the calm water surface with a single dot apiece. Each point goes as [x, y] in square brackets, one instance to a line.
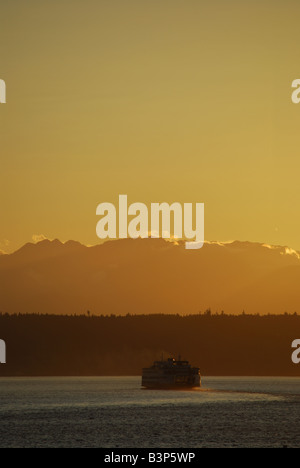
[115, 412]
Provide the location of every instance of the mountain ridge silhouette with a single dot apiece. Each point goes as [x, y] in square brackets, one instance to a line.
[145, 276]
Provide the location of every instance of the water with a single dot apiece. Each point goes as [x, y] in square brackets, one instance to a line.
[111, 412]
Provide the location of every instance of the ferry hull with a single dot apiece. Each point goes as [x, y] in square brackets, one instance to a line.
[171, 382]
[171, 373]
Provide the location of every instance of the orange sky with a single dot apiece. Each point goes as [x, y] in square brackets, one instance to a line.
[168, 100]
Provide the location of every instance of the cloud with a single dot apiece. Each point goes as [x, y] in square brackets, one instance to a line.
[38, 238]
[4, 243]
[221, 243]
[293, 252]
[283, 250]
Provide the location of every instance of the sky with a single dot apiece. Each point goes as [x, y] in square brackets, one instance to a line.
[162, 100]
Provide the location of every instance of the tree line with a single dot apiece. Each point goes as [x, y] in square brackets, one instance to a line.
[220, 344]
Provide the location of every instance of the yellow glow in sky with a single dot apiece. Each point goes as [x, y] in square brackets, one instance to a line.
[186, 101]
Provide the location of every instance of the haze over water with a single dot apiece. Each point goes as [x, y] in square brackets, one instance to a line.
[111, 412]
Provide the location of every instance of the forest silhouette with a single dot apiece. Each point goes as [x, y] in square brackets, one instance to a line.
[220, 344]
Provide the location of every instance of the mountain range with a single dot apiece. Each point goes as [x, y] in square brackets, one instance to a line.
[149, 276]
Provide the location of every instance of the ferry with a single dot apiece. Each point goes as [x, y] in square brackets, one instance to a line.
[171, 373]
